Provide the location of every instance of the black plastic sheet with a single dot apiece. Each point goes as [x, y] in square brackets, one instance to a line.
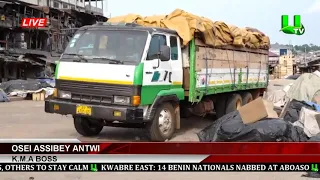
[23, 85]
[293, 111]
[230, 128]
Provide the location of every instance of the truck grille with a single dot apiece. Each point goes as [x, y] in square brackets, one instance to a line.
[97, 93]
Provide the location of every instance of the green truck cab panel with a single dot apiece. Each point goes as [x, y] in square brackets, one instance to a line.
[138, 74]
[164, 96]
[150, 93]
[179, 92]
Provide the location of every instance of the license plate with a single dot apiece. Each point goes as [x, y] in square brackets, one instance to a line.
[84, 110]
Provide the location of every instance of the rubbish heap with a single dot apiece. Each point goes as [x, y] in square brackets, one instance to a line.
[257, 121]
[22, 88]
[298, 120]
[211, 33]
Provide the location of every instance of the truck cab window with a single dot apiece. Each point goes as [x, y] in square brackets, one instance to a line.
[156, 42]
[174, 47]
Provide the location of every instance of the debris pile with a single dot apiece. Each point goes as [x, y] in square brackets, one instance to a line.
[22, 88]
[257, 121]
[297, 121]
[261, 126]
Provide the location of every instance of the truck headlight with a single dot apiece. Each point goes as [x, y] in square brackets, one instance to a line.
[121, 100]
[64, 94]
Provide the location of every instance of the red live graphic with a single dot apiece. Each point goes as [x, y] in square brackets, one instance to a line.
[34, 22]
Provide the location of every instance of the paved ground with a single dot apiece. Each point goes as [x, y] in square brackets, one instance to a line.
[26, 119]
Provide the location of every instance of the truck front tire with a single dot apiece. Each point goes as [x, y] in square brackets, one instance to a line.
[163, 125]
[85, 127]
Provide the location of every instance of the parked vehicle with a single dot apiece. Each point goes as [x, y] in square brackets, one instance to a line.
[134, 76]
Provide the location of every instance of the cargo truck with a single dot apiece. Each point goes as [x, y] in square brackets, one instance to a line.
[143, 77]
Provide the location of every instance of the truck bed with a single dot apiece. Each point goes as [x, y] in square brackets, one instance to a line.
[224, 69]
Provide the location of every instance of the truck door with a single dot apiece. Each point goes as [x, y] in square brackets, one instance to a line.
[157, 74]
[176, 61]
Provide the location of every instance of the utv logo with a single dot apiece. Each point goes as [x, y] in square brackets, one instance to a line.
[297, 28]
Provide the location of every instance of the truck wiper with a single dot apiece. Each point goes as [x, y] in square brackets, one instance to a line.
[111, 60]
[81, 58]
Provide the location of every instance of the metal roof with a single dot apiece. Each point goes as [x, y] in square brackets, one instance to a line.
[271, 54]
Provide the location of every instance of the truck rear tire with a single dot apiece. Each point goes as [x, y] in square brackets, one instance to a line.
[246, 98]
[234, 102]
[85, 127]
[163, 125]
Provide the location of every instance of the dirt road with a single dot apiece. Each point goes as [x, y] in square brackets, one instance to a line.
[26, 119]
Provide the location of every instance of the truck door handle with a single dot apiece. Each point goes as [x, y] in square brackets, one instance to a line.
[148, 72]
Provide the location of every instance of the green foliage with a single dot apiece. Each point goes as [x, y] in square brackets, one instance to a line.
[303, 48]
[306, 47]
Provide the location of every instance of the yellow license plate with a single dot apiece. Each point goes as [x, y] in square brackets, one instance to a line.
[84, 110]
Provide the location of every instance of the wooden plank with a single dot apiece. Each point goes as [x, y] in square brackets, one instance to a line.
[186, 78]
[217, 58]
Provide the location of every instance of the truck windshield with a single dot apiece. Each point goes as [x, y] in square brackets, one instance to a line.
[106, 46]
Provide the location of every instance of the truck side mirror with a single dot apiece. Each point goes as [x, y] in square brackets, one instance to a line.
[164, 53]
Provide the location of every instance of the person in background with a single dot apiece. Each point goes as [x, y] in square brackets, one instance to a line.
[49, 42]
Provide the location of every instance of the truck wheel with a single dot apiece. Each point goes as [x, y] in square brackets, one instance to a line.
[164, 123]
[246, 98]
[234, 102]
[85, 127]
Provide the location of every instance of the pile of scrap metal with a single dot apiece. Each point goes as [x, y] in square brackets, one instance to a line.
[24, 52]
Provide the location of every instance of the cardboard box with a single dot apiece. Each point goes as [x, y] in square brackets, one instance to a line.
[256, 110]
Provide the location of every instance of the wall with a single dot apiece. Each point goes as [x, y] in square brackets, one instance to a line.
[280, 51]
[285, 66]
[273, 61]
[35, 2]
[74, 2]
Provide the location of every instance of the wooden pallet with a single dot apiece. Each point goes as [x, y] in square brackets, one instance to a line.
[40, 96]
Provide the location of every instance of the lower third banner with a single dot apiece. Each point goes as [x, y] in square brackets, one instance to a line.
[155, 167]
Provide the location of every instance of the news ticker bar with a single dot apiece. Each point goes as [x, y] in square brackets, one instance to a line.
[75, 147]
[156, 167]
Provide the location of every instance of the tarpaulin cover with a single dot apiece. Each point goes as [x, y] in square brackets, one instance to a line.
[23, 85]
[305, 87]
[214, 33]
[230, 128]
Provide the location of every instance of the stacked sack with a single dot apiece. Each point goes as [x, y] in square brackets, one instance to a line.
[213, 33]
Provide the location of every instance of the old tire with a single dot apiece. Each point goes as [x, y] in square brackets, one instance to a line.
[85, 127]
[233, 103]
[246, 98]
[164, 123]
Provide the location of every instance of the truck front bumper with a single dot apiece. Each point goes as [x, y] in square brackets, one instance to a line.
[109, 113]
